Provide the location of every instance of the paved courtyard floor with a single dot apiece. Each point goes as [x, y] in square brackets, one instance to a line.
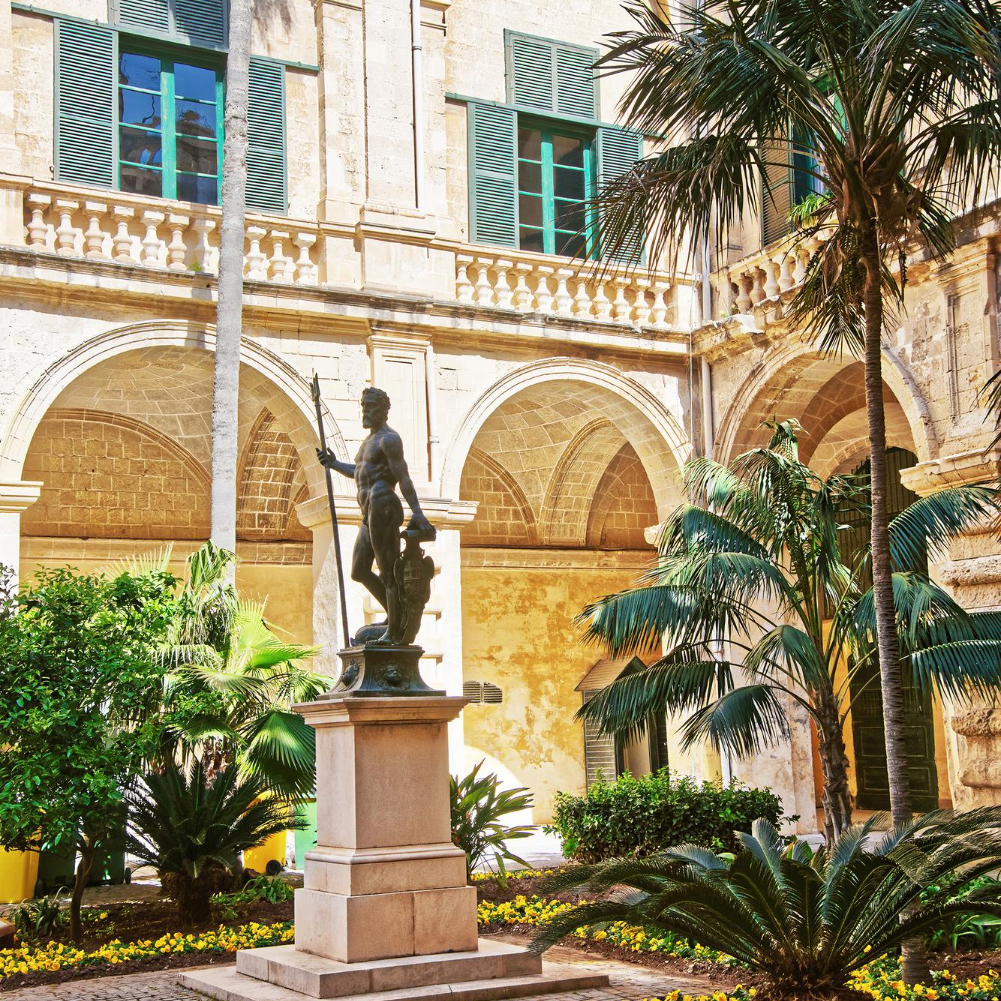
[628, 983]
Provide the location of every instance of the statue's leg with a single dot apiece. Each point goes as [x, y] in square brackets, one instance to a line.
[361, 567]
[385, 521]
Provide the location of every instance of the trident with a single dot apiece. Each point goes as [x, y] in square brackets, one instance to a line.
[333, 510]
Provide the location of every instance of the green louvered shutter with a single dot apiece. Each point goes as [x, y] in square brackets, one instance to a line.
[618, 151]
[201, 22]
[267, 187]
[85, 103]
[152, 15]
[552, 77]
[493, 174]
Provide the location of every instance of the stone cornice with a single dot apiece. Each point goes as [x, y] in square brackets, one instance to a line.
[18, 497]
[441, 512]
[951, 470]
[556, 559]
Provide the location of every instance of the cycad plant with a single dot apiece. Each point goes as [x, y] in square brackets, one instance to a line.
[803, 921]
[191, 827]
[892, 107]
[759, 611]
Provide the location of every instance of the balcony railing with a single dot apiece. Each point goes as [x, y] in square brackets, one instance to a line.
[553, 286]
[763, 277]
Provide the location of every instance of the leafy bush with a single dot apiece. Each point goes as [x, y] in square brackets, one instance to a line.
[478, 803]
[638, 816]
[37, 920]
[966, 931]
[267, 888]
[805, 922]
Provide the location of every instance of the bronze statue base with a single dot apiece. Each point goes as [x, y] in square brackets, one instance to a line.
[376, 669]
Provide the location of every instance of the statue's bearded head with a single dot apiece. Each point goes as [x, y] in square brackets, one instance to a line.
[374, 407]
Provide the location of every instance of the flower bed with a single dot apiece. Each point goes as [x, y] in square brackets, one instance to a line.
[59, 956]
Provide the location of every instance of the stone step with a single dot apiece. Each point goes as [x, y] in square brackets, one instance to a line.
[227, 984]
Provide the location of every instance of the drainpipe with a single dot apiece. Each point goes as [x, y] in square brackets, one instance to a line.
[434, 443]
[417, 68]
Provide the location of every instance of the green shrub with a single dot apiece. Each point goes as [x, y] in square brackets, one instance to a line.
[38, 920]
[638, 816]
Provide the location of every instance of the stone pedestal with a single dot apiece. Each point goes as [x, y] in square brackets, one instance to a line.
[385, 907]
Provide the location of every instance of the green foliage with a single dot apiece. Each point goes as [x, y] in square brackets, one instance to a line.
[640, 816]
[38, 920]
[965, 932]
[191, 827]
[267, 888]
[801, 920]
[478, 803]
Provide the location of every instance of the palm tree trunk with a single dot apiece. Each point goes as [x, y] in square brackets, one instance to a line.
[834, 764]
[915, 959]
[229, 310]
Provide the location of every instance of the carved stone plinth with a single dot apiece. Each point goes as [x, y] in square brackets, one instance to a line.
[381, 671]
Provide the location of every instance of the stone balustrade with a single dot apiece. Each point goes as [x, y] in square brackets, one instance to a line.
[766, 275]
[178, 236]
[554, 286]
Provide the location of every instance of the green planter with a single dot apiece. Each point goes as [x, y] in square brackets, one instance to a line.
[56, 868]
[306, 838]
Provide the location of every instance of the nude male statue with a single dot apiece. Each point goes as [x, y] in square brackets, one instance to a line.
[378, 467]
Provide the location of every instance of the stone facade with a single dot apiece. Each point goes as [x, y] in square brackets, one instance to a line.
[546, 408]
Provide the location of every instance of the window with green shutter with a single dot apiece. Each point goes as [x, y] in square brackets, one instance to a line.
[196, 22]
[550, 76]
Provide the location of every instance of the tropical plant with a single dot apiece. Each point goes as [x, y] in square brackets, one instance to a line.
[192, 828]
[893, 107]
[802, 920]
[82, 684]
[40, 919]
[478, 803]
[753, 566]
[645, 814]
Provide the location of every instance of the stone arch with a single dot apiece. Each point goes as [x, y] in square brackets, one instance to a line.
[288, 396]
[624, 506]
[503, 524]
[795, 375]
[652, 430]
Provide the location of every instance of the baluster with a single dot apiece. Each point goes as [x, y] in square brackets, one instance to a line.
[641, 309]
[799, 270]
[305, 269]
[620, 307]
[484, 290]
[280, 266]
[582, 300]
[523, 297]
[38, 229]
[463, 286]
[177, 252]
[255, 260]
[93, 237]
[122, 240]
[151, 241]
[505, 297]
[563, 300]
[543, 295]
[771, 271]
[202, 250]
[602, 304]
[745, 282]
[66, 231]
[659, 312]
[757, 288]
[785, 271]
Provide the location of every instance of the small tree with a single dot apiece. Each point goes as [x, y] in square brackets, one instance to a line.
[81, 688]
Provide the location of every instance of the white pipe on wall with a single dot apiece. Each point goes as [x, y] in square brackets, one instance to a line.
[417, 68]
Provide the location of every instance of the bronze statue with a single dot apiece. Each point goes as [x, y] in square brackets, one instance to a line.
[402, 584]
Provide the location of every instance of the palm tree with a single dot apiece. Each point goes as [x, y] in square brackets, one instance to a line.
[803, 921]
[755, 559]
[897, 107]
[229, 308]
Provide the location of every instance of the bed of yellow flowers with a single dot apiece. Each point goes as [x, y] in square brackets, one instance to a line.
[58, 956]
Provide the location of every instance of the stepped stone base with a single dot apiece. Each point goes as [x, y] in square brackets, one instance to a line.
[496, 970]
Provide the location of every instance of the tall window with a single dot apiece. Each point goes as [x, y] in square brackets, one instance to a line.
[170, 127]
[555, 180]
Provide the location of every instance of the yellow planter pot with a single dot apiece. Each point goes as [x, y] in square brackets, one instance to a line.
[18, 874]
[274, 848]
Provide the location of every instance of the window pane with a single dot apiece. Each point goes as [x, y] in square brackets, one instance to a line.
[570, 244]
[141, 181]
[139, 146]
[195, 119]
[139, 71]
[191, 188]
[530, 144]
[568, 152]
[138, 108]
[531, 239]
[530, 210]
[568, 183]
[194, 82]
[530, 177]
[197, 155]
[569, 215]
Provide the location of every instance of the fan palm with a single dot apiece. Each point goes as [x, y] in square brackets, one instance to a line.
[892, 106]
[755, 559]
[804, 921]
[191, 827]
